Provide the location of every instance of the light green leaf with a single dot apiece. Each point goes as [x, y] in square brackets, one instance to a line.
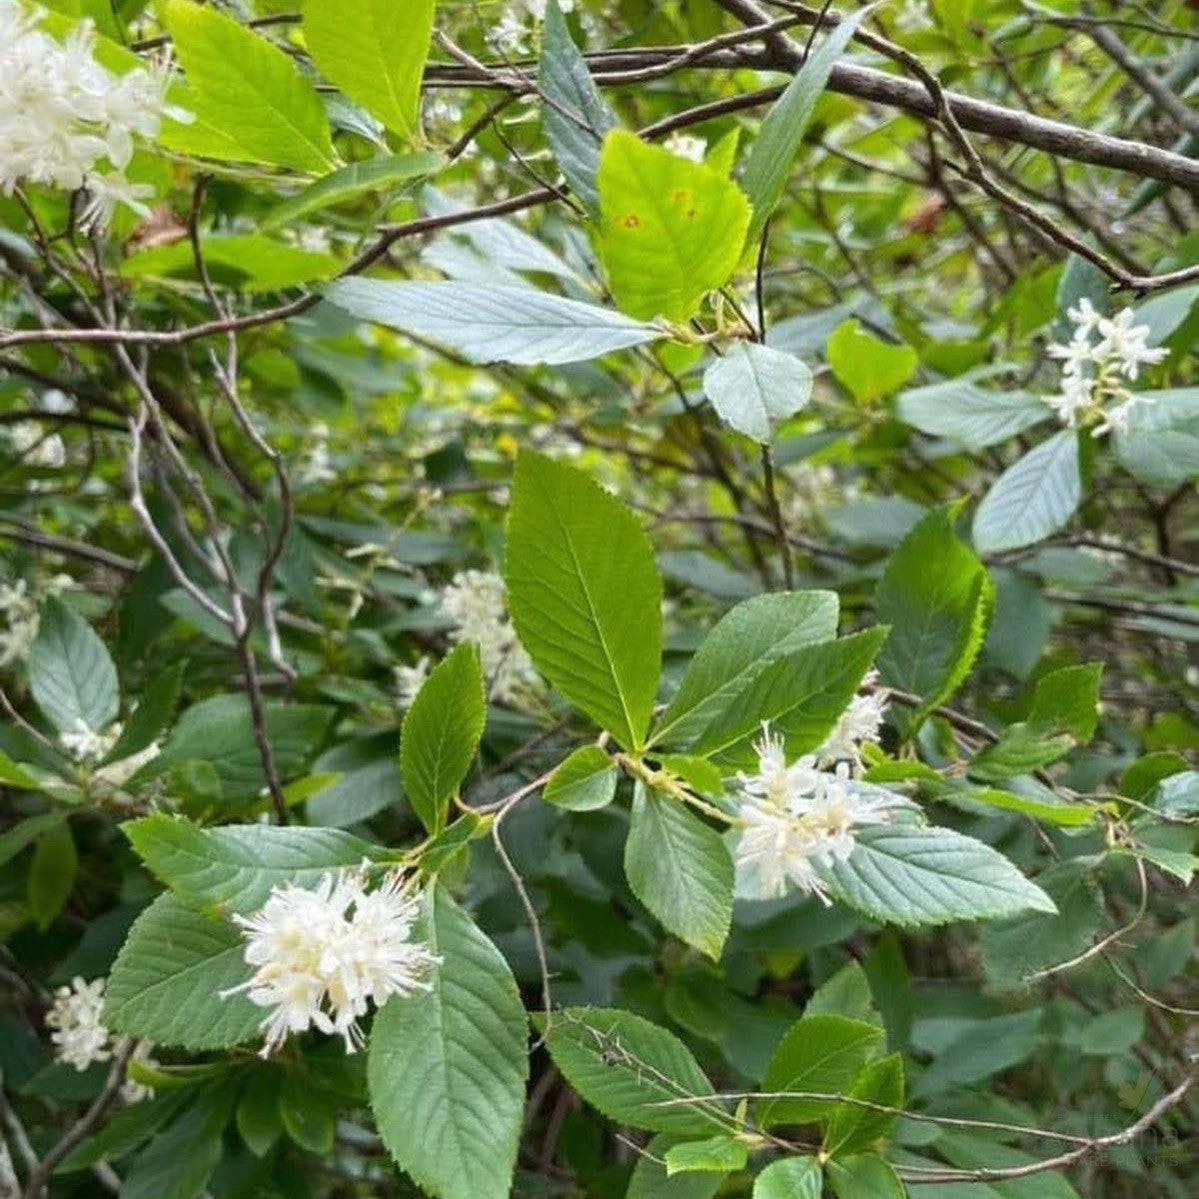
[375, 51]
[866, 1176]
[1166, 310]
[248, 90]
[1161, 446]
[937, 596]
[671, 230]
[447, 1067]
[237, 865]
[906, 875]
[166, 982]
[868, 366]
[154, 712]
[575, 114]
[71, 675]
[1068, 700]
[375, 174]
[802, 695]
[748, 638]
[584, 594]
[720, 1154]
[1022, 749]
[753, 388]
[783, 128]
[789, 1178]
[441, 733]
[846, 993]
[650, 1180]
[820, 1055]
[854, 1127]
[632, 1071]
[681, 870]
[244, 261]
[584, 782]
[1034, 497]
[973, 416]
[25, 832]
[492, 323]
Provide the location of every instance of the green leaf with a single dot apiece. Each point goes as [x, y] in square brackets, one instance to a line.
[348, 183]
[853, 1127]
[71, 674]
[802, 695]
[820, 1055]
[154, 712]
[748, 638]
[25, 832]
[754, 388]
[1022, 749]
[671, 230]
[52, 874]
[244, 261]
[165, 984]
[237, 865]
[585, 595]
[632, 1071]
[575, 114]
[492, 323]
[375, 51]
[789, 1178]
[906, 875]
[866, 1176]
[248, 90]
[681, 870]
[1013, 949]
[650, 1180]
[447, 1067]
[1165, 311]
[1034, 497]
[973, 416]
[441, 733]
[936, 596]
[219, 730]
[258, 1117]
[846, 993]
[178, 1163]
[584, 782]
[868, 366]
[783, 128]
[308, 1117]
[1067, 700]
[1175, 795]
[1161, 446]
[720, 1154]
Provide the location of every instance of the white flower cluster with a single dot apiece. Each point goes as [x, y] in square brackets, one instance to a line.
[87, 745]
[67, 121]
[815, 487]
[512, 31]
[912, 15]
[20, 606]
[316, 465]
[409, 680]
[795, 816]
[322, 956]
[686, 146]
[1101, 354]
[475, 602]
[80, 1039]
[33, 446]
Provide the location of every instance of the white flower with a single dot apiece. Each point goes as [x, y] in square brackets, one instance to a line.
[859, 724]
[914, 14]
[686, 146]
[62, 114]
[1092, 393]
[409, 680]
[89, 745]
[795, 817]
[35, 447]
[117, 774]
[475, 602]
[321, 956]
[79, 1035]
[1121, 339]
[104, 193]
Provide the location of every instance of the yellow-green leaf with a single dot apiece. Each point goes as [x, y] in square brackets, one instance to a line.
[671, 230]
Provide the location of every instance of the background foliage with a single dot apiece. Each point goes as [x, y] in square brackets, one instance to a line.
[730, 338]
